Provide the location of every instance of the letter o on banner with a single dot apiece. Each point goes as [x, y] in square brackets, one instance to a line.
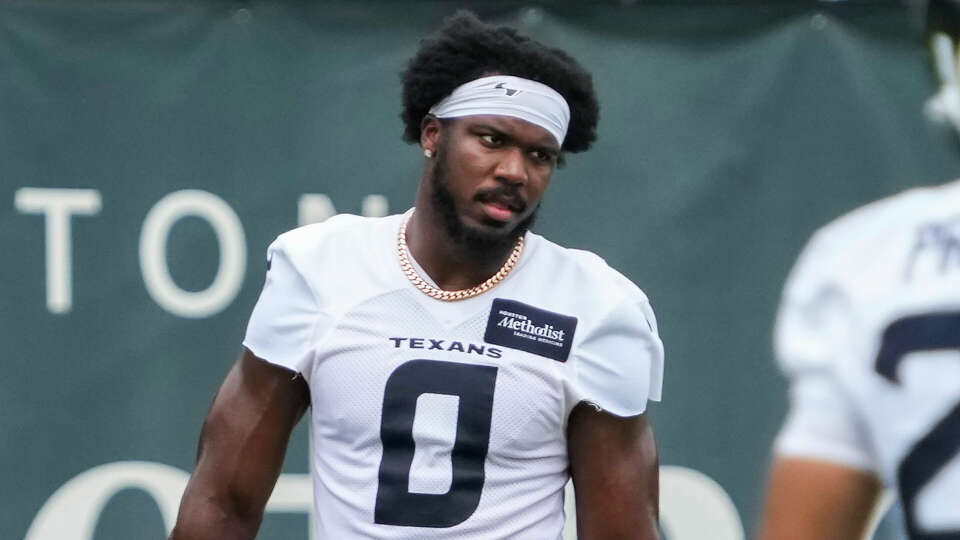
[72, 511]
[153, 253]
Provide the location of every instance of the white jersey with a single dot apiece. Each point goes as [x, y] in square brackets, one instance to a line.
[869, 331]
[436, 419]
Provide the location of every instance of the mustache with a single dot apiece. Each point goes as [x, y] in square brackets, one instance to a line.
[505, 195]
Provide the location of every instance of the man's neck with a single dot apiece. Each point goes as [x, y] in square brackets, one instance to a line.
[450, 264]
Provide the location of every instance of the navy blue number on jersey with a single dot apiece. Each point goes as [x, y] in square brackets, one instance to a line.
[474, 385]
[936, 331]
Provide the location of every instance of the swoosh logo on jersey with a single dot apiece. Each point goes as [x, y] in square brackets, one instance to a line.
[526, 328]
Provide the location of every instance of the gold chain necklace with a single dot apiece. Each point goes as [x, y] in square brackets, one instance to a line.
[448, 296]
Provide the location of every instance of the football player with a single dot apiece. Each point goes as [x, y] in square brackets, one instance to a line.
[869, 333]
[459, 369]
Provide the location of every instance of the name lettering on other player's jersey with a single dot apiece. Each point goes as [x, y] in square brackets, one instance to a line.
[936, 249]
[537, 331]
[445, 345]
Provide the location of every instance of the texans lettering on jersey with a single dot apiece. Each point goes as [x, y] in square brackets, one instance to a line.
[869, 331]
[439, 419]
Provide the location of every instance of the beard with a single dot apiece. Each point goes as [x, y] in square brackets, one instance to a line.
[469, 238]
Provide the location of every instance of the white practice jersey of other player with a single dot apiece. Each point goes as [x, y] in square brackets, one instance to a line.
[436, 419]
[869, 331]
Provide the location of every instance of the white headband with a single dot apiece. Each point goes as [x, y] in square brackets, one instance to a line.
[505, 95]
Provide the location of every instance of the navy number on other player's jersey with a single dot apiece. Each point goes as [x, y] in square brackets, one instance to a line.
[915, 334]
[474, 385]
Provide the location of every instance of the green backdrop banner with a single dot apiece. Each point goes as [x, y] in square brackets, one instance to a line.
[149, 152]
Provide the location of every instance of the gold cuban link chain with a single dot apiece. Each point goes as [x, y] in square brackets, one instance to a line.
[403, 252]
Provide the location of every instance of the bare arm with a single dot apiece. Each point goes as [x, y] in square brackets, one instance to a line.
[613, 463]
[816, 499]
[242, 445]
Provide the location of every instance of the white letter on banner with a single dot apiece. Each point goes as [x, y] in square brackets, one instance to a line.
[72, 512]
[314, 208]
[153, 253]
[317, 207]
[374, 206]
[57, 205]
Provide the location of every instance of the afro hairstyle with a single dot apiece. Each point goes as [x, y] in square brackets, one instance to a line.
[465, 49]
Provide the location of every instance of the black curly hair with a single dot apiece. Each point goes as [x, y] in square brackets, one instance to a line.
[465, 49]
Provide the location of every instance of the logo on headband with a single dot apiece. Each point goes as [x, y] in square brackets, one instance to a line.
[510, 91]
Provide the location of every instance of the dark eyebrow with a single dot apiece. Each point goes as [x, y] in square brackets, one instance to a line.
[508, 139]
[553, 152]
[495, 131]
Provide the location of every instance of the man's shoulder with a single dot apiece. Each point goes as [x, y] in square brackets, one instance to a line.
[851, 274]
[616, 351]
[342, 247]
[875, 218]
[585, 272]
[341, 260]
[845, 245]
[343, 237]
[344, 228]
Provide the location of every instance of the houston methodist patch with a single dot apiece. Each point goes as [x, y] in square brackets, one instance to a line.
[519, 326]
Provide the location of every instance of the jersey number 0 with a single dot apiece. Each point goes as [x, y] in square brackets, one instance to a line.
[473, 385]
[936, 331]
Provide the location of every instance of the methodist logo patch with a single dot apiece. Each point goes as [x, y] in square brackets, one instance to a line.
[519, 326]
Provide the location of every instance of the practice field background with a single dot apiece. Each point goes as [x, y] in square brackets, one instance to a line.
[151, 150]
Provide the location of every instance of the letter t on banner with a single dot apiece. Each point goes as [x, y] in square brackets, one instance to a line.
[57, 205]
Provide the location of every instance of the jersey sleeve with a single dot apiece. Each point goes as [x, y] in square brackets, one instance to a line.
[815, 317]
[619, 364]
[286, 316]
[823, 425]
[812, 338]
